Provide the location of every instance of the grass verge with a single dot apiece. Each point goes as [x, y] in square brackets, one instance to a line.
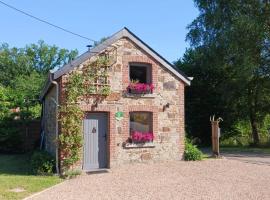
[264, 150]
[15, 174]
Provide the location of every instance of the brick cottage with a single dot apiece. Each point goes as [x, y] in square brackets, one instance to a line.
[141, 120]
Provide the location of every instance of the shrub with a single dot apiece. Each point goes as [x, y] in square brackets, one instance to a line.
[192, 152]
[10, 137]
[72, 173]
[42, 163]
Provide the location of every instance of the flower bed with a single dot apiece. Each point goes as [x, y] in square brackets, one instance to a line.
[140, 88]
[142, 137]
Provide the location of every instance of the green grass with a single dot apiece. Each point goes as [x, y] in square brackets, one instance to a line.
[15, 173]
[264, 150]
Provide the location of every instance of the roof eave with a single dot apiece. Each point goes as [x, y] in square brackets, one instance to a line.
[46, 86]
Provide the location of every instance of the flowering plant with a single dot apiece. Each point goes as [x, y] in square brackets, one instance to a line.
[140, 88]
[138, 136]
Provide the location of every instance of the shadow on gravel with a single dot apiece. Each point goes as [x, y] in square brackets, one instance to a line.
[243, 156]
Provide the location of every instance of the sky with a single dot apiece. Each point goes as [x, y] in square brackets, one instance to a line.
[160, 24]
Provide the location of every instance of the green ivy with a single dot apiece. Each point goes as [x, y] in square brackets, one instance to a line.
[71, 116]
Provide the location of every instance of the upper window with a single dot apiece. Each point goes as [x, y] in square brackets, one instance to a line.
[140, 73]
[141, 127]
[140, 76]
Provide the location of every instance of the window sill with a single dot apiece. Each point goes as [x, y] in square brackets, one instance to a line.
[142, 145]
[130, 95]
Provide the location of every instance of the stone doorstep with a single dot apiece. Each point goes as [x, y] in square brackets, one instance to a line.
[132, 146]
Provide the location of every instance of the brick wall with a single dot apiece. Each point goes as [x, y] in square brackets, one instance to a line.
[31, 135]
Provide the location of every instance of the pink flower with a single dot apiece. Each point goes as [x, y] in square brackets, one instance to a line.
[141, 87]
[138, 136]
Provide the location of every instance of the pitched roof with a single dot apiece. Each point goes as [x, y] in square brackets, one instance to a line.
[124, 33]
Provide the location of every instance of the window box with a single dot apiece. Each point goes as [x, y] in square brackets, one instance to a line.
[139, 145]
[140, 88]
[136, 96]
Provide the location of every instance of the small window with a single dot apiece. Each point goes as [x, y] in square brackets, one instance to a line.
[140, 77]
[141, 127]
[140, 73]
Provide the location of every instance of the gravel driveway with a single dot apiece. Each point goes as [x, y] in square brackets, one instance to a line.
[209, 179]
[249, 157]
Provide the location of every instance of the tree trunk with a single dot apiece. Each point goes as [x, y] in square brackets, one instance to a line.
[253, 104]
[254, 126]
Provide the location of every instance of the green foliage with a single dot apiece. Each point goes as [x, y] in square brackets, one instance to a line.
[25, 94]
[34, 57]
[72, 173]
[105, 90]
[10, 138]
[204, 97]
[42, 163]
[192, 153]
[230, 67]
[15, 172]
[240, 135]
[78, 85]
[96, 43]
[75, 87]
[22, 74]
[4, 103]
[70, 138]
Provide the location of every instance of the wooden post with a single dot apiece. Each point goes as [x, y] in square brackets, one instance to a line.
[215, 136]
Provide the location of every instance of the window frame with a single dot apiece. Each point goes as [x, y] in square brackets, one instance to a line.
[151, 123]
[149, 78]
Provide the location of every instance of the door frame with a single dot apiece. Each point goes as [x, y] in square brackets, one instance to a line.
[107, 149]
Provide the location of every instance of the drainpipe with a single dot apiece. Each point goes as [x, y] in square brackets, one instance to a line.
[42, 124]
[56, 121]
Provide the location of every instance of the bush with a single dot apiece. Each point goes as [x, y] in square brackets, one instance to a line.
[10, 138]
[192, 152]
[72, 173]
[42, 163]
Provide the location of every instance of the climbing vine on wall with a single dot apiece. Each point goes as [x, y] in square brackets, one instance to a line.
[93, 81]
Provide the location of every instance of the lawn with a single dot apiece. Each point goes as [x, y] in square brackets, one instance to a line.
[263, 150]
[15, 174]
[236, 149]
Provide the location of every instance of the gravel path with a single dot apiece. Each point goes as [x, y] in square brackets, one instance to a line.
[249, 157]
[209, 179]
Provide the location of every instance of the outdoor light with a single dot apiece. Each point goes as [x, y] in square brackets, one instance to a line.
[166, 106]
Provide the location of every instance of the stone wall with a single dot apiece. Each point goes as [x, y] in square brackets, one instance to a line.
[168, 123]
[49, 121]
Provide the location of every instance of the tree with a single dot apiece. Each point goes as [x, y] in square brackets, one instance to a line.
[96, 43]
[34, 57]
[44, 57]
[233, 41]
[25, 94]
[24, 70]
[4, 102]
